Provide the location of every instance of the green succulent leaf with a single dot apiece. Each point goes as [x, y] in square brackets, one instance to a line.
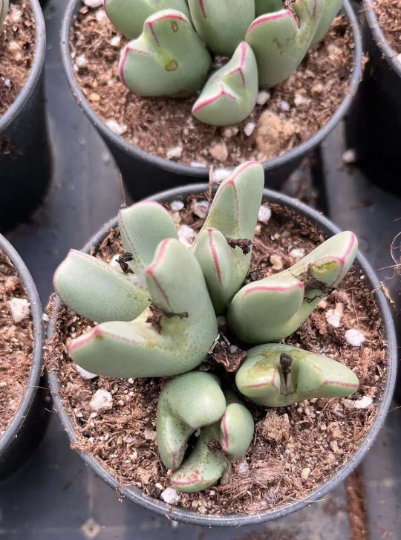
[236, 429]
[267, 6]
[4, 5]
[275, 307]
[128, 16]
[267, 378]
[168, 59]
[331, 10]
[230, 95]
[204, 467]
[280, 42]
[186, 404]
[233, 215]
[95, 290]
[222, 25]
[142, 227]
[172, 338]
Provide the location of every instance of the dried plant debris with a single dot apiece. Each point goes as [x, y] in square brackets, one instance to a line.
[284, 117]
[389, 16]
[295, 448]
[16, 341]
[17, 50]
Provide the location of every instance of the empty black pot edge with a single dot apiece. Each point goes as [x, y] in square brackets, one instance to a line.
[194, 518]
[29, 424]
[373, 126]
[145, 173]
[25, 166]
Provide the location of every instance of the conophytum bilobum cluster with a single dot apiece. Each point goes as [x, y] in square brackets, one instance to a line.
[174, 43]
[158, 318]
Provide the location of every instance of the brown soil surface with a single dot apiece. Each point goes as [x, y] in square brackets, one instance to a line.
[16, 344]
[295, 449]
[389, 16]
[297, 108]
[17, 50]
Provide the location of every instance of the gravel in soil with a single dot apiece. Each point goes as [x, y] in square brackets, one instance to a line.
[288, 115]
[17, 50]
[296, 448]
[16, 341]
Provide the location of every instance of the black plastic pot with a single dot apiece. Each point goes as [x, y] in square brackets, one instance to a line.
[144, 173]
[235, 520]
[25, 159]
[29, 424]
[374, 123]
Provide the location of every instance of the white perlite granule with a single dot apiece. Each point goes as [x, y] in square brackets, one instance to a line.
[101, 400]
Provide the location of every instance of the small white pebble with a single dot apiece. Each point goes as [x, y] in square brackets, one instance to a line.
[297, 253]
[334, 316]
[170, 496]
[228, 133]
[243, 468]
[114, 264]
[220, 174]
[85, 374]
[186, 235]
[197, 165]
[197, 432]
[349, 157]
[200, 208]
[158, 486]
[174, 153]
[299, 99]
[263, 97]
[115, 127]
[101, 400]
[101, 15]
[176, 206]
[285, 106]
[115, 41]
[233, 349]
[305, 473]
[93, 3]
[7, 83]
[277, 262]
[3, 384]
[249, 128]
[150, 435]
[264, 214]
[81, 60]
[363, 403]
[322, 305]
[20, 309]
[45, 317]
[354, 337]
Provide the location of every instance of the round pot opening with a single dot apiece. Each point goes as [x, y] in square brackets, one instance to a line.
[29, 423]
[134, 161]
[187, 516]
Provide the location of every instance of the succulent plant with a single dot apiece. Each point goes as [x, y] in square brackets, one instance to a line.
[4, 4]
[275, 307]
[276, 375]
[158, 318]
[194, 402]
[173, 43]
[233, 215]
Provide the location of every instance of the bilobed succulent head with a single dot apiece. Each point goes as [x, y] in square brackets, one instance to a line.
[158, 313]
[224, 244]
[279, 375]
[174, 43]
[275, 307]
[3, 11]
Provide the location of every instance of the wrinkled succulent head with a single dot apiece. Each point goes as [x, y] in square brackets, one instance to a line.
[155, 313]
[4, 4]
[174, 43]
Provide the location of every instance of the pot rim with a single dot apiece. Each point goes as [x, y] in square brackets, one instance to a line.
[203, 173]
[36, 69]
[17, 422]
[379, 37]
[236, 520]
